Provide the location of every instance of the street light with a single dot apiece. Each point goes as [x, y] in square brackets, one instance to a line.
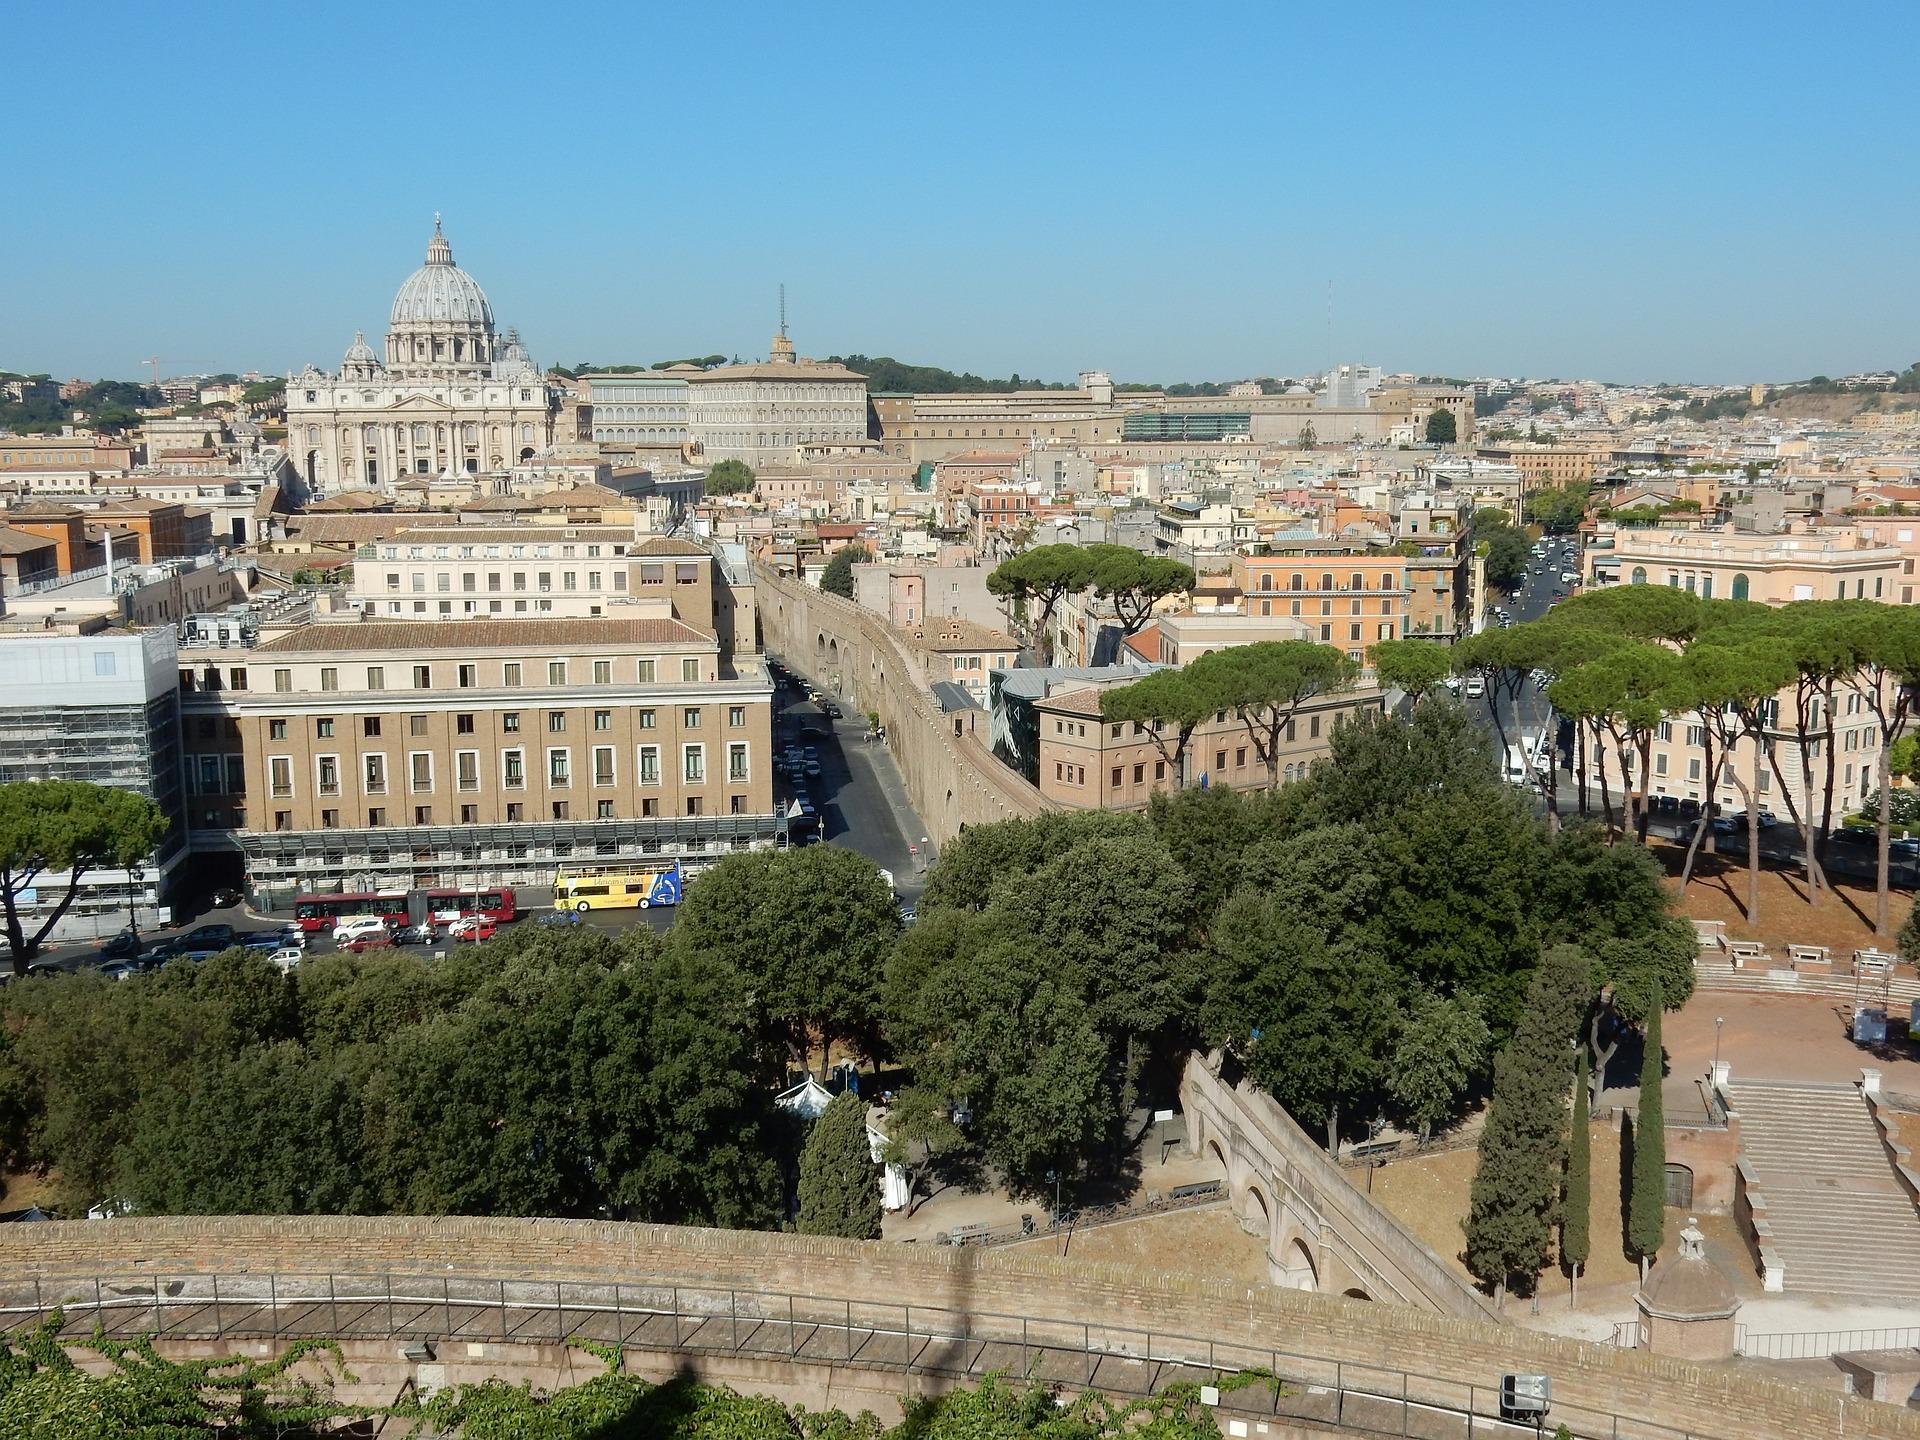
[1054, 1176]
[1718, 1021]
[135, 876]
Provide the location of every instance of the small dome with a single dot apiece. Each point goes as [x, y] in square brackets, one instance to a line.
[361, 353]
[441, 291]
[1687, 1285]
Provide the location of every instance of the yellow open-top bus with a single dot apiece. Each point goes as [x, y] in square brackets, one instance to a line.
[617, 889]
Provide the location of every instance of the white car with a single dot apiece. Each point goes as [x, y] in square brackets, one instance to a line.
[355, 926]
[1476, 688]
[287, 957]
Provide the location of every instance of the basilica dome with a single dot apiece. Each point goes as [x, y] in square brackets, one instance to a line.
[441, 292]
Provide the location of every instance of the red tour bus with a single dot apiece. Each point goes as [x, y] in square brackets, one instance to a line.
[323, 912]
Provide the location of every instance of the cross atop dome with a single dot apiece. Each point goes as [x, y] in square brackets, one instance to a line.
[438, 251]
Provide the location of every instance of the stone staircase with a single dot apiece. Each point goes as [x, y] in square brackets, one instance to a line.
[1841, 1222]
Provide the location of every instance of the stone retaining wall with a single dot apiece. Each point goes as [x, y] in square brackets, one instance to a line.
[1725, 1401]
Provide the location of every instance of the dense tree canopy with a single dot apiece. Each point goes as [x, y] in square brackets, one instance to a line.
[1442, 428]
[837, 578]
[839, 1182]
[729, 477]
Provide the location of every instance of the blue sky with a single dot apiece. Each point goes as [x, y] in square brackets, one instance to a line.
[1706, 191]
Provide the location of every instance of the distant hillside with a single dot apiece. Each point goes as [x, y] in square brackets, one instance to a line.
[888, 375]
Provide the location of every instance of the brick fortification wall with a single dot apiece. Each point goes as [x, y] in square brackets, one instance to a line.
[1727, 1401]
[953, 780]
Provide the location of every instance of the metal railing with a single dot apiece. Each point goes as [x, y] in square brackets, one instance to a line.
[907, 1339]
[1819, 1344]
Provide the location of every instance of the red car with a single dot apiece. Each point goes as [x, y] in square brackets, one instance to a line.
[471, 928]
[370, 940]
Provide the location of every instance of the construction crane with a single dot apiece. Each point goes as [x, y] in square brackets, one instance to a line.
[154, 361]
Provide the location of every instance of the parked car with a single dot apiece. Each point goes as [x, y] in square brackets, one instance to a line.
[422, 934]
[287, 958]
[561, 919]
[1767, 820]
[812, 769]
[260, 940]
[123, 946]
[121, 969]
[292, 934]
[833, 711]
[473, 927]
[214, 937]
[358, 925]
[367, 940]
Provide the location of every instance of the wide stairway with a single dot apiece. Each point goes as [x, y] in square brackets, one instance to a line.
[1841, 1222]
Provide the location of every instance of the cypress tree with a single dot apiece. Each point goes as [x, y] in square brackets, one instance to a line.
[1646, 1205]
[839, 1183]
[1523, 1149]
[1576, 1238]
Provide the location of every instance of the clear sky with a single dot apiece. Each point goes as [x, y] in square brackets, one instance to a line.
[1711, 191]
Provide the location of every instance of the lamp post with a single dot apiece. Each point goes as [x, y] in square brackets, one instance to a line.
[1054, 1176]
[135, 877]
[1718, 1021]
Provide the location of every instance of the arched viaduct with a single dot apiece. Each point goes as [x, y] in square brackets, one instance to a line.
[950, 773]
[798, 1317]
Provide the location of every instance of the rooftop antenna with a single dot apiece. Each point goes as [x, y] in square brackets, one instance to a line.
[783, 310]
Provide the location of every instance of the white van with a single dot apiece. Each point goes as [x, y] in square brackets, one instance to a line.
[354, 926]
[1567, 577]
[1476, 687]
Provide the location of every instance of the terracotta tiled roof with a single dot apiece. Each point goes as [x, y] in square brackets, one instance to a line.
[953, 633]
[480, 636]
[669, 545]
[1084, 701]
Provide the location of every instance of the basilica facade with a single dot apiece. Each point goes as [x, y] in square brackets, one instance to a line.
[449, 398]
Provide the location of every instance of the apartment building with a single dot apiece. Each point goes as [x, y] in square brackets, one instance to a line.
[1436, 531]
[1771, 570]
[963, 652]
[1349, 598]
[476, 570]
[1548, 465]
[1087, 763]
[387, 753]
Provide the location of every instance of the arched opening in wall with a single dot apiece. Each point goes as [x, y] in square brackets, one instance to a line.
[313, 468]
[1297, 1265]
[1354, 1292]
[1256, 1218]
[1218, 1156]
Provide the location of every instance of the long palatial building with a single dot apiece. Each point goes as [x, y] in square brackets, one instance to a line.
[451, 397]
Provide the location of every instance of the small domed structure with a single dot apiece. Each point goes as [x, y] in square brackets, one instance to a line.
[1686, 1305]
[361, 362]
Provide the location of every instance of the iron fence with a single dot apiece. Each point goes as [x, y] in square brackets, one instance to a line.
[1819, 1344]
[886, 1336]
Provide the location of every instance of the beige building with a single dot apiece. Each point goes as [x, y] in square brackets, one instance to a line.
[463, 571]
[963, 652]
[764, 414]
[1088, 763]
[384, 754]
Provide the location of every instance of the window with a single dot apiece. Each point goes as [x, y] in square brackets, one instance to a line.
[1219, 759]
[603, 720]
[329, 678]
[647, 718]
[1139, 773]
[510, 674]
[556, 672]
[646, 669]
[603, 672]
[649, 808]
[516, 812]
[327, 770]
[690, 718]
[737, 761]
[466, 769]
[329, 819]
[283, 681]
[280, 775]
[649, 764]
[510, 722]
[420, 771]
[1640, 578]
[694, 763]
[694, 806]
[423, 814]
[556, 722]
[376, 774]
[370, 727]
[276, 729]
[463, 724]
[603, 765]
[376, 816]
[559, 767]
[603, 810]
[690, 668]
[465, 676]
[283, 820]
[736, 717]
[423, 677]
[1116, 777]
[416, 724]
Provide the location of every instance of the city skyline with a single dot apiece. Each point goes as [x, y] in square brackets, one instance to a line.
[1000, 193]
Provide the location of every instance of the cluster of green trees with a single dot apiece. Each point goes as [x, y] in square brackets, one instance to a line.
[886, 375]
[1442, 428]
[837, 578]
[1749, 681]
[64, 826]
[1034, 582]
[1506, 547]
[729, 477]
[1559, 509]
[45, 1392]
[1358, 941]
[109, 405]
